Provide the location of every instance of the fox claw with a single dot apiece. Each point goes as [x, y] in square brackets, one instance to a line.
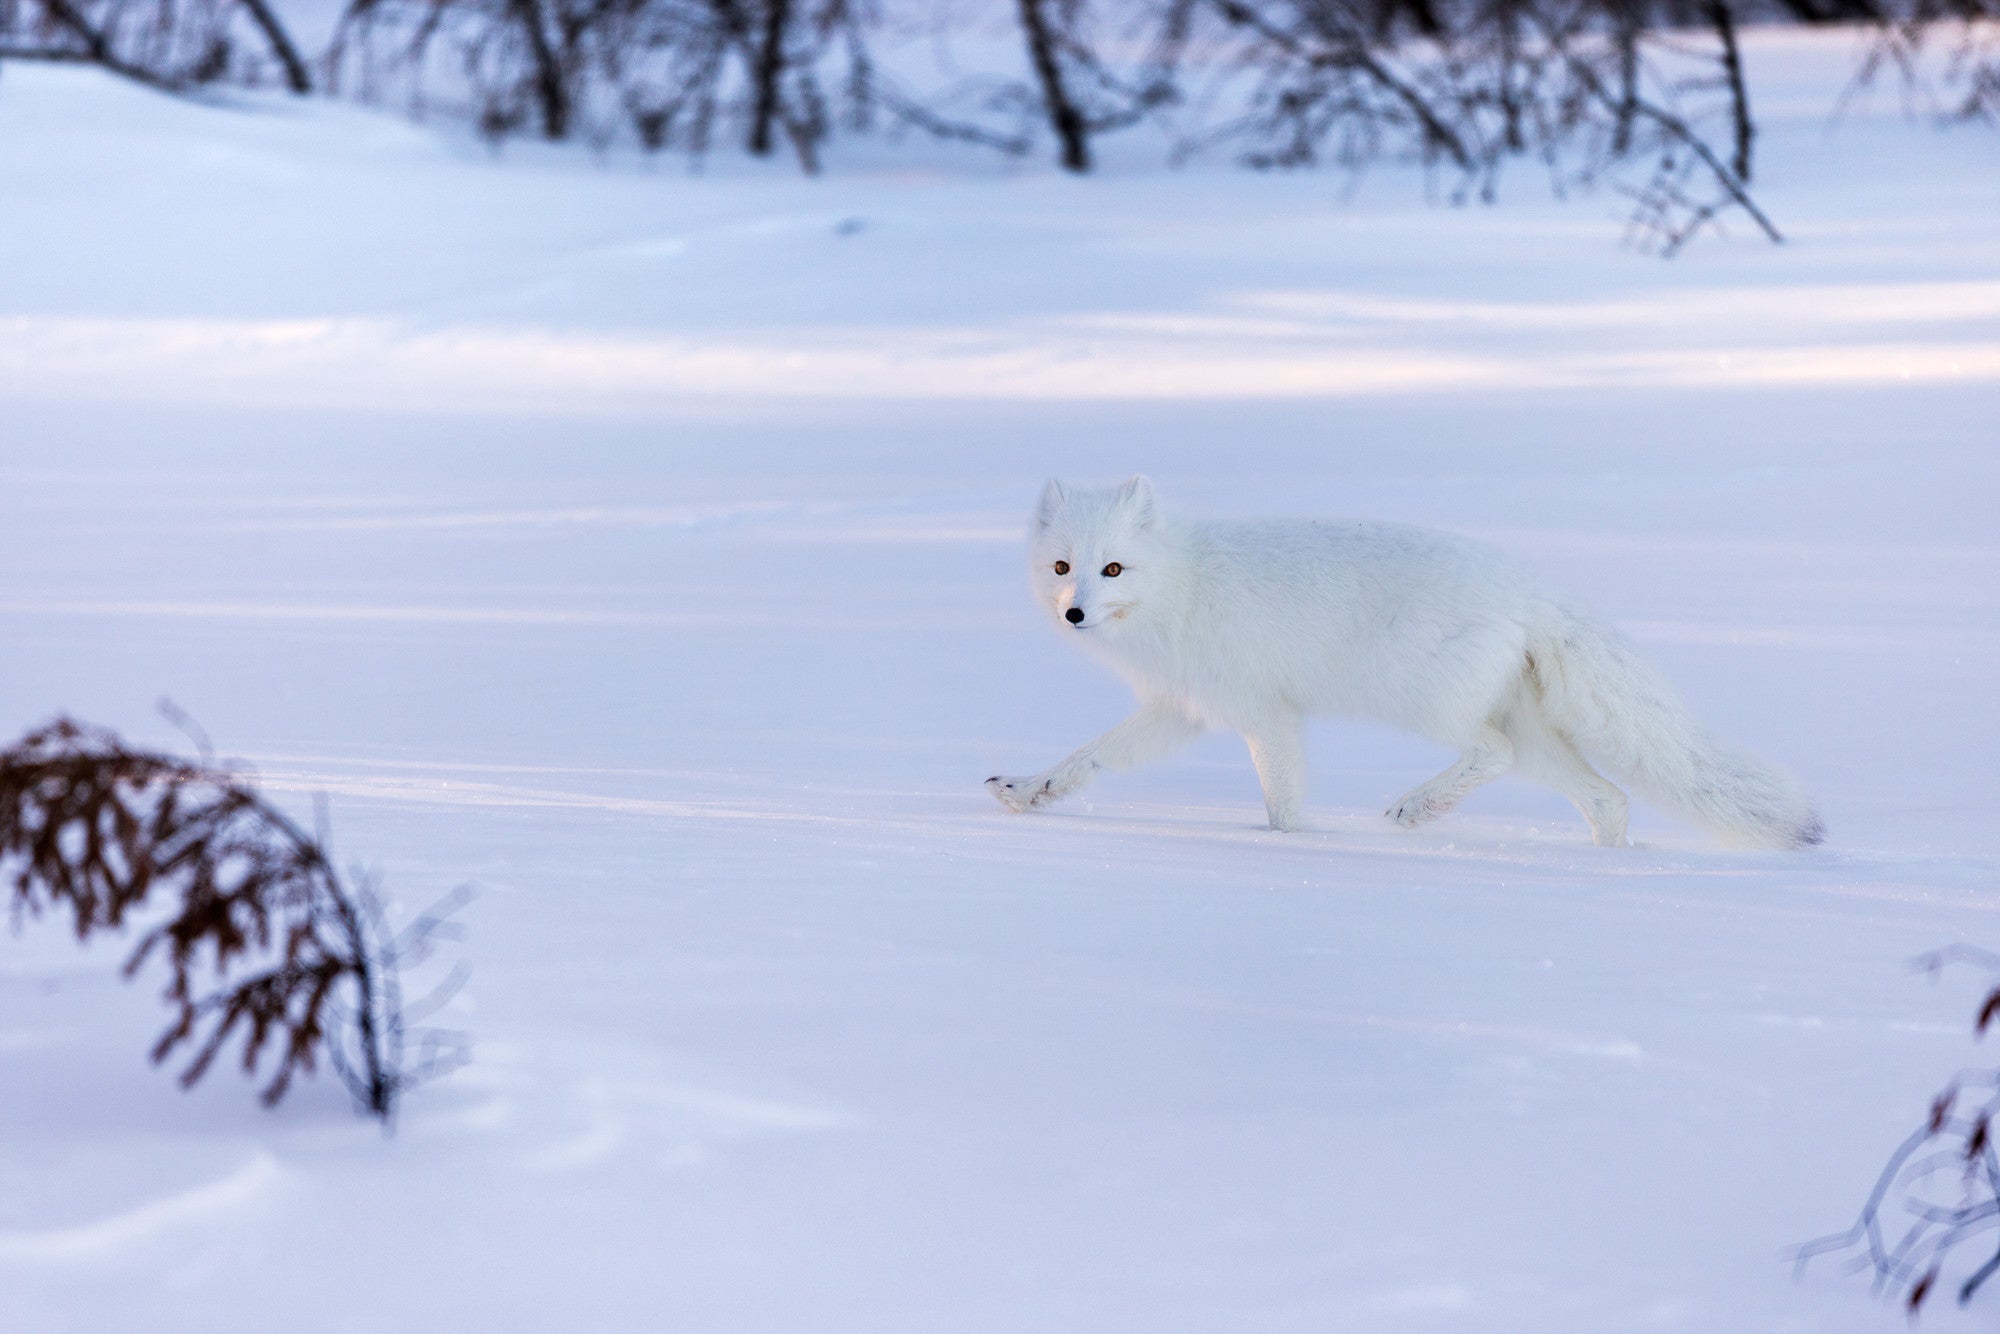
[1017, 794]
[1414, 811]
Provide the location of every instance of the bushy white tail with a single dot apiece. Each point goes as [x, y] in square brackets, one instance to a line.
[1597, 690]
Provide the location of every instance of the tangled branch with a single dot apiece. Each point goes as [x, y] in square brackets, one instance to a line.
[677, 73]
[1593, 89]
[1648, 97]
[1963, 80]
[168, 45]
[1942, 1183]
[265, 941]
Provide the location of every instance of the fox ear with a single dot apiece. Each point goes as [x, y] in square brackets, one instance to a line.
[1135, 498]
[1054, 501]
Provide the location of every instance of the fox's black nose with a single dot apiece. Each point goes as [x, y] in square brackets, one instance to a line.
[1074, 615]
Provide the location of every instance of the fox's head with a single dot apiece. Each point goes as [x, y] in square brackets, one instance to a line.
[1093, 555]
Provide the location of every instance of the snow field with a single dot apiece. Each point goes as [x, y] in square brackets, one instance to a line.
[646, 550]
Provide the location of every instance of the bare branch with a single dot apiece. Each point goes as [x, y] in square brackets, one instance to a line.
[1065, 118]
[1944, 1177]
[264, 938]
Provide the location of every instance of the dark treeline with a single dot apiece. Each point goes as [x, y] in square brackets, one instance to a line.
[1652, 93]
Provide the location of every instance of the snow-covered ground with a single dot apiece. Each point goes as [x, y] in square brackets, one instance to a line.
[645, 548]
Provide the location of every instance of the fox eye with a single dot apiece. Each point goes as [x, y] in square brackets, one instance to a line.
[1113, 570]
[1062, 567]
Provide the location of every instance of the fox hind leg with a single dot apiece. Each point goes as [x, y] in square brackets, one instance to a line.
[1484, 760]
[1544, 754]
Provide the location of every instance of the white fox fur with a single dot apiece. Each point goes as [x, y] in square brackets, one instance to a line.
[1254, 626]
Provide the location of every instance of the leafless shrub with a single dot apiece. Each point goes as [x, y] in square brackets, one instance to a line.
[677, 73]
[172, 45]
[1090, 67]
[263, 938]
[1941, 1187]
[1080, 94]
[1942, 52]
[1649, 98]
[1593, 90]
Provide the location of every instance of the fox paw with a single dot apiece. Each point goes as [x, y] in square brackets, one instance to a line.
[1020, 794]
[1417, 808]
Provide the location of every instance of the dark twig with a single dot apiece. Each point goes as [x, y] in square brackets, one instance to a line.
[550, 88]
[767, 74]
[97, 47]
[1724, 23]
[296, 77]
[1065, 117]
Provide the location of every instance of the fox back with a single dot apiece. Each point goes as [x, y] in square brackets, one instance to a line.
[1241, 620]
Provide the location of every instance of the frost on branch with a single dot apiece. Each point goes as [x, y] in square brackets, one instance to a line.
[262, 939]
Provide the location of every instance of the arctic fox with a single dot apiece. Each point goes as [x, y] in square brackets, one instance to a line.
[1254, 626]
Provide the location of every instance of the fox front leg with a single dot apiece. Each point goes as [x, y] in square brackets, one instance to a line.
[1156, 729]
